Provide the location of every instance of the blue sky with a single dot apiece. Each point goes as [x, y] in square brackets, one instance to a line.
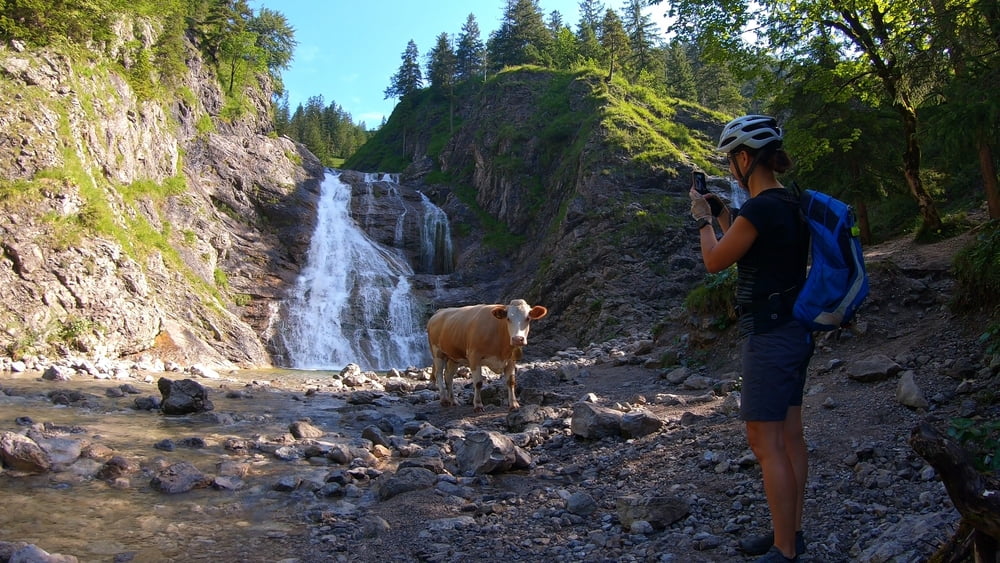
[348, 50]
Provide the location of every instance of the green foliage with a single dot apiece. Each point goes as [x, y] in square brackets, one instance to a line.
[977, 270]
[42, 22]
[990, 338]
[204, 125]
[140, 73]
[25, 342]
[173, 186]
[326, 129]
[981, 438]
[221, 280]
[715, 298]
[951, 225]
[72, 330]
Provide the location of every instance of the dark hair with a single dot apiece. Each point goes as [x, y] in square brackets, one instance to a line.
[772, 155]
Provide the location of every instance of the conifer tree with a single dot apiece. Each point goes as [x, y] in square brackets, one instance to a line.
[408, 79]
[679, 72]
[614, 40]
[470, 55]
[642, 33]
[522, 37]
[591, 15]
[441, 63]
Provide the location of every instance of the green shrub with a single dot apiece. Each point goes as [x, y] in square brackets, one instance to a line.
[981, 438]
[715, 298]
[977, 270]
[221, 280]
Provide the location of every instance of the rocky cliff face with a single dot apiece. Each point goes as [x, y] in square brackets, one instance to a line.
[131, 225]
[608, 246]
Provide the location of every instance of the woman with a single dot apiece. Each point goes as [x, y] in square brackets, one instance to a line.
[768, 241]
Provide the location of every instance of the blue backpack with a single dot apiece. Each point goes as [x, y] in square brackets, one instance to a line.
[837, 282]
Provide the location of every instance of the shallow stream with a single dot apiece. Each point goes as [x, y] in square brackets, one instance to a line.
[68, 511]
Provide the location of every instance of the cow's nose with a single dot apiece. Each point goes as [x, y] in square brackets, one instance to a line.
[518, 340]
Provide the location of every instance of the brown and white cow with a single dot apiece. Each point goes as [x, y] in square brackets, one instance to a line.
[479, 335]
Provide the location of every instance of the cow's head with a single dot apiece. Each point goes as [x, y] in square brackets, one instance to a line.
[519, 316]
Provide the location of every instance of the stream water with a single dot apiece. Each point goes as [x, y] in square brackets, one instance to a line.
[68, 511]
[351, 304]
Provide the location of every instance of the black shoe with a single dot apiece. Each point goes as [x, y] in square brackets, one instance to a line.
[760, 544]
[774, 555]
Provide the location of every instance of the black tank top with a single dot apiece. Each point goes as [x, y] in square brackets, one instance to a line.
[773, 270]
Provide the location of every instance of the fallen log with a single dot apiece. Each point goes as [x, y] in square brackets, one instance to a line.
[975, 495]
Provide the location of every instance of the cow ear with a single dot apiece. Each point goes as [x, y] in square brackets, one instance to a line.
[537, 312]
[499, 312]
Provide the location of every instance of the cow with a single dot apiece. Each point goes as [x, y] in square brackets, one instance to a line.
[479, 335]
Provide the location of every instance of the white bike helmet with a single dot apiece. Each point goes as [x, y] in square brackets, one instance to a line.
[754, 131]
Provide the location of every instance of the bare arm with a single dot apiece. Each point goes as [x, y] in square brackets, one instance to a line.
[719, 254]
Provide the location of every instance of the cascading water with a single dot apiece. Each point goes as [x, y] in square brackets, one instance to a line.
[737, 196]
[435, 232]
[352, 301]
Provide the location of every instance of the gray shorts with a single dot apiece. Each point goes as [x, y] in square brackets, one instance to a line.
[774, 372]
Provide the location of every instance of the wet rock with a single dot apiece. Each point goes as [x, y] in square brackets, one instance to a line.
[302, 429]
[31, 553]
[286, 483]
[58, 373]
[62, 452]
[117, 467]
[375, 435]
[185, 396]
[21, 453]
[179, 478]
[147, 403]
[166, 445]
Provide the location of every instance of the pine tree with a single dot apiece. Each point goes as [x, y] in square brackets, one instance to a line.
[614, 40]
[679, 73]
[470, 54]
[409, 78]
[441, 63]
[588, 30]
[522, 37]
[642, 34]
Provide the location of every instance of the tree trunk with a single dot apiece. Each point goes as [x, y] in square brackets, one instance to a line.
[988, 171]
[973, 493]
[861, 211]
[911, 169]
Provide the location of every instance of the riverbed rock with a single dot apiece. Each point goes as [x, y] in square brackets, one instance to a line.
[180, 478]
[185, 396]
[21, 453]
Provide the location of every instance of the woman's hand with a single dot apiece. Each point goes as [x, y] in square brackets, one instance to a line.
[700, 207]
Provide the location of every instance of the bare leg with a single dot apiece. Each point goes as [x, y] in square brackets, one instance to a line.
[767, 440]
[795, 446]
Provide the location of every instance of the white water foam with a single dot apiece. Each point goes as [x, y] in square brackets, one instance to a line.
[352, 301]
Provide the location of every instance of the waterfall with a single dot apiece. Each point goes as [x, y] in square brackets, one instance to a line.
[435, 234]
[352, 301]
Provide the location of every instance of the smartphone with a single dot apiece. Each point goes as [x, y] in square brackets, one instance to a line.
[698, 178]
